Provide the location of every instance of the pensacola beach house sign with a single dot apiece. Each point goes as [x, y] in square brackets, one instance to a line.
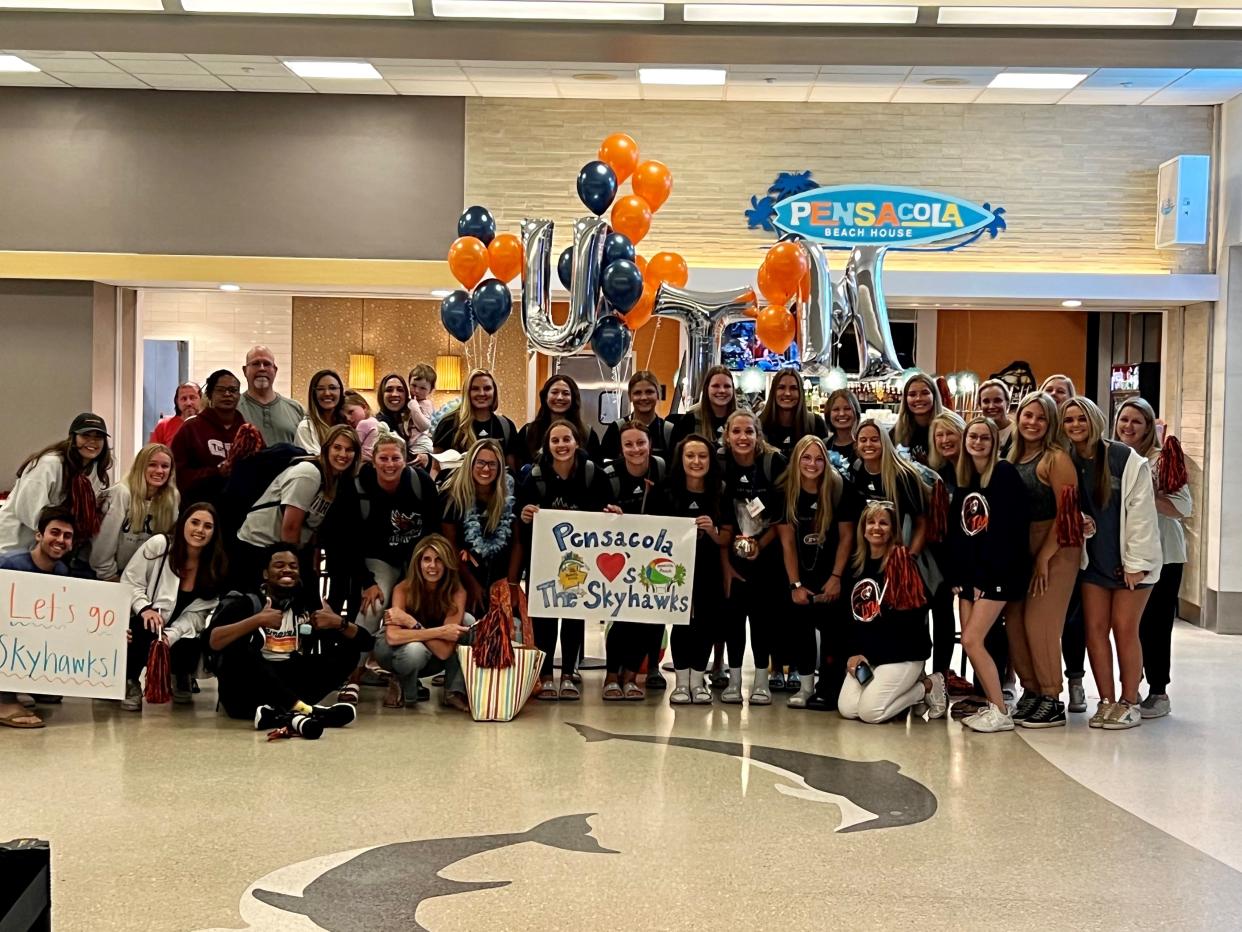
[849, 215]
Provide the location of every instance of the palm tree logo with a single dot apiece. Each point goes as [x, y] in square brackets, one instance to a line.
[762, 209]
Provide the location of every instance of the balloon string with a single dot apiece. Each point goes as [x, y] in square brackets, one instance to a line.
[651, 347]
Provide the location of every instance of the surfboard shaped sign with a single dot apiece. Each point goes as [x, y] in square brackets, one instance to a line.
[876, 215]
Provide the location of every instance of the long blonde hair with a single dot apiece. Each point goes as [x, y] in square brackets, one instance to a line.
[862, 549]
[463, 427]
[1101, 475]
[851, 399]
[830, 486]
[948, 419]
[761, 444]
[332, 478]
[161, 507]
[1149, 443]
[1052, 439]
[904, 429]
[461, 491]
[966, 469]
[892, 467]
[704, 419]
[430, 608]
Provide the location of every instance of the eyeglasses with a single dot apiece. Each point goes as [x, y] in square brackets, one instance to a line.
[227, 389]
[486, 464]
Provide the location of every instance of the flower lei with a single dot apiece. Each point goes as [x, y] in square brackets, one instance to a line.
[487, 547]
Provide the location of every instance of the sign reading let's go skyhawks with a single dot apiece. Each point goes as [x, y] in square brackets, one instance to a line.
[843, 216]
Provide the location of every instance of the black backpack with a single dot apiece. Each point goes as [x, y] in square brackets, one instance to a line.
[211, 658]
[656, 474]
[250, 478]
[412, 479]
[541, 484]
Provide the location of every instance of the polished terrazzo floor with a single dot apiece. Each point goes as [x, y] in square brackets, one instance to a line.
[179, 820]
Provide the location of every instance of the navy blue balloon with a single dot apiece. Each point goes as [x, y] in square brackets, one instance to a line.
[618, 246]
[597, 186]
[492, 303]
[565, 267]
[457, 315]
[477, 222]
[622, 284]
[611, 340]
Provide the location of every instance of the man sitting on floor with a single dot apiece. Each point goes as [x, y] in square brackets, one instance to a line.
[275, 656]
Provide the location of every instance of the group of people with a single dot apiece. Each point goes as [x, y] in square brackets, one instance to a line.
[300, 553]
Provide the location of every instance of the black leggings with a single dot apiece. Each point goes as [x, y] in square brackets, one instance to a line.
[834, 651]
[629, 643]
[797, 630]
[182, 657]
[1074, 637]
[691, 644]
[248, 681]
[1156, 627]
[753, 599]
[944, 628]
[573, 633]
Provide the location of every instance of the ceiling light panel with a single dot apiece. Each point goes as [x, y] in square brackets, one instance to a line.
[685, 77]
[1219, 19]
[11, 64]
[89, 6]
[303, 7]
[1037, 80]
[334, 70]
[797, 13]
[551, 10]
[1053, 16]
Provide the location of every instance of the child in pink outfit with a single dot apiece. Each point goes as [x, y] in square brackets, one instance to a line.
[358, 413]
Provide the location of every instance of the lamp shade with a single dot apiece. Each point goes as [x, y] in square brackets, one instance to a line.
[361, 371]
[448, 373]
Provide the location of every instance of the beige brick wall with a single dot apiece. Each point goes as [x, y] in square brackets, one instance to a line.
[1196, 331]
[1078, 183]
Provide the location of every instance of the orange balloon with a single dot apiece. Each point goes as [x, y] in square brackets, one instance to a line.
[620, 153]
[787, 265]
[653, 182]
[642, 265]
[641, 312]
[769, 288]
[751, 311]
[667, 267]
[504, 255]
[775, 328]
[467, 260]
[631, 217]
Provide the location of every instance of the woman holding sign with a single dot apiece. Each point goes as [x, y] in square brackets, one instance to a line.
[752, 472]
[633, 480]
[562, 478]
[695, 489]
[174, 584]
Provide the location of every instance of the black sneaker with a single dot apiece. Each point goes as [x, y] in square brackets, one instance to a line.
[286, 724]
[335, 716]
[1048, 713]
[1026, 705]
[267, 717]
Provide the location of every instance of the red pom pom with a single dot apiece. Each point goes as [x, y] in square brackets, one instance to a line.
[1069, 519]
[246, 442]
[493, 635]
[938, 514]
[904, 589]
[159, 680]
[946, 396]
[1171, 475]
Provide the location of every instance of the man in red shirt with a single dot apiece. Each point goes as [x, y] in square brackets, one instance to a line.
[185, 403]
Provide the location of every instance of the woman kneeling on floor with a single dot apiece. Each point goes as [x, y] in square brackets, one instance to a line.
[424, 626]
[888, 638]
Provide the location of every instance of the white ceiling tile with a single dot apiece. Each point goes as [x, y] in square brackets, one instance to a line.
[89, 79]
[253, 69]
[859, 80]
[1135, 78]
[852, 93]
[785, 92]
[461, 88]
[160, 66]
[415, 62]
[516, 88]
[349, 86]
[48, 53]
[771, 79]
[600, 90]
[1107, 96]
[901, 70]
[184, 82]
[936, 95]
[1191, 97]
[287, 85]
[29, 79]
[682, 92]
[1222, 78]
[508, 74]
[763, 69]
[964, 70]
[520, 65]
[410, 73]
[1020, 95]
[72, 65]
[253, 59]
[143, 56]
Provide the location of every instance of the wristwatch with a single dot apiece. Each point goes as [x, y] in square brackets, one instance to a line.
[795, 586]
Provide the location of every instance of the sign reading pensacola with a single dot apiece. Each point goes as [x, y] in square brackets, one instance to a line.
[587, 564]
[877, 215]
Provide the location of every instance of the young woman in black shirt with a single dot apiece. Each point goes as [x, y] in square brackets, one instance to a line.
[562, 478]
[559, 398]
[785, 418]
[844, 414]
[644, 395]
[479, 520]
[717, 401]
[920, 403]
[879, 474]
[476, 419]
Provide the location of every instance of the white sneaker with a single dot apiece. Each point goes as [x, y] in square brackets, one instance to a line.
[1101, 713]
[1123, 715]
[133, 696]
[989, 719]
[936, 699]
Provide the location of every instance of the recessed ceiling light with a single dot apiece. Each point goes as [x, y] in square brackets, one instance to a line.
[441, 293]
[796, 13]
[1037, 80]
[344, 70]
[302, 7]
[693, 76]
[94, 6]
[230, 287]
[945, 82]
[1053, 16]
[1219, 18]
[1072, 302]
[594, 76]
[13, 63]
[552, 9]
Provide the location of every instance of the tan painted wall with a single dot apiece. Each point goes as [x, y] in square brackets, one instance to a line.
[1078, 183]
[983, 342]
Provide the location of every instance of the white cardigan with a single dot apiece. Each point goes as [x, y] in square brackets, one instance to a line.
[150, 588]
[116, 541]
[1140, 531]
[36, 488]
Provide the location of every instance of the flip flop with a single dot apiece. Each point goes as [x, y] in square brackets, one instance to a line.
[613, 692]
[11, 720]
[634, 692]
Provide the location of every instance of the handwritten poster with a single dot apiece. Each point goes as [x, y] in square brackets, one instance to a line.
[62, 636]
[593, 565]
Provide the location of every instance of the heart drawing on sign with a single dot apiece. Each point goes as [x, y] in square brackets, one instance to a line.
[610, 564]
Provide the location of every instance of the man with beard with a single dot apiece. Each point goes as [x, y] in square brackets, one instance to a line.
[275, 655]
[185, 405]
[276, 416]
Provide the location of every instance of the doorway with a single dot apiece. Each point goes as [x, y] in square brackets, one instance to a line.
[165, 365]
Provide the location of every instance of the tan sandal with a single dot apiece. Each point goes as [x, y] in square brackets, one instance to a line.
[11, 720]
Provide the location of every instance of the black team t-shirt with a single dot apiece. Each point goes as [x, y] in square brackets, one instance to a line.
[396, 521]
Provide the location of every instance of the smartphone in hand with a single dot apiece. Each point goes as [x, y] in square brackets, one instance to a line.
[863, 673]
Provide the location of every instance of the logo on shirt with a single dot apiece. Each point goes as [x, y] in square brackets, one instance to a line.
[865, 600]
[406, 528]
[974, 514]
[218, 447]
